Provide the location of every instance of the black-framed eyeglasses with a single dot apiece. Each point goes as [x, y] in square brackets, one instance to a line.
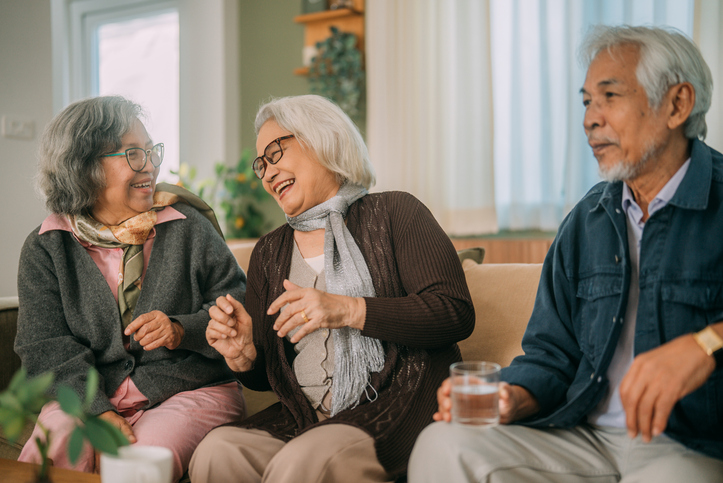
[272, 154]
[137, 157]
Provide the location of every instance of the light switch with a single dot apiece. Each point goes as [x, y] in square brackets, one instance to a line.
[17, 129]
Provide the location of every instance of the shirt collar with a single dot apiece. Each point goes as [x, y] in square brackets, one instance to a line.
[661, 199]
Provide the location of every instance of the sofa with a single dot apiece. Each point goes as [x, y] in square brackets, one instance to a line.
[503, 296]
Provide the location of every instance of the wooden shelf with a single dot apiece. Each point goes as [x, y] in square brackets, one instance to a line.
[326, 15]
[317, 26]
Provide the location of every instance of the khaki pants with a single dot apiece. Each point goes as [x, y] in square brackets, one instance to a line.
[450, 452]
[332, 453]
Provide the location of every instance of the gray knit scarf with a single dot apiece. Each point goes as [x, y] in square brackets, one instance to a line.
[356, 356]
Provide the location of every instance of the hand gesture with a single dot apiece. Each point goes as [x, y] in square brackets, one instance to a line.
[230, 332]
[154, 330]
[658, 379]
[313, 309]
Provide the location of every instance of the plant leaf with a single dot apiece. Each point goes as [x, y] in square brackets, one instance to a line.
[91, 387]
[10, 401]
[75, 444]
[14, 427]
[103, 435]
[18, 379]
[69, 401]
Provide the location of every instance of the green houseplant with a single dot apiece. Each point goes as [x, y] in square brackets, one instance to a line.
[337, 72]
[22, 401]
[236, 194]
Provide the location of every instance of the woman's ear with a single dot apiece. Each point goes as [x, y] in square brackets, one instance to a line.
[681, 99]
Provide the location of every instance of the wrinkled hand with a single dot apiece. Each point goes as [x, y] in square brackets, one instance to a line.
[515, 402]
[154, 330]
[322, 310]
[119, 422]
[230, 332]
[658, 379]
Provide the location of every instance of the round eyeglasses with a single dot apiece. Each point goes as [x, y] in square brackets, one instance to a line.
[137, 157]
[272, 155]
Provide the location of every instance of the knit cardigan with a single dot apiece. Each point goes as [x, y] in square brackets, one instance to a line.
[421, 309]
[68, 318]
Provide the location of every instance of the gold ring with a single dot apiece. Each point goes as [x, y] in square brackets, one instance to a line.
[303, 316]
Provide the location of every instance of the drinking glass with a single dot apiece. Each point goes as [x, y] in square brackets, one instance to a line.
[475, 393]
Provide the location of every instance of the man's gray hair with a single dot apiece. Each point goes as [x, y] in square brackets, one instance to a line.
[667, 57]
[321, 126]
[71, 174]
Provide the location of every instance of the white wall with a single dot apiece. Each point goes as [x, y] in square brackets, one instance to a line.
[25, 95]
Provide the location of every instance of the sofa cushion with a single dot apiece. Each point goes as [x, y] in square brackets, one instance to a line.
[503, 297]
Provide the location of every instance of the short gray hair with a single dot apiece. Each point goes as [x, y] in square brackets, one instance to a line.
[667, 57]
[71, 174]
[321, 125]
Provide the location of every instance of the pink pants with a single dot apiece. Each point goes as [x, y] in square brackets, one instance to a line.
[179, 423]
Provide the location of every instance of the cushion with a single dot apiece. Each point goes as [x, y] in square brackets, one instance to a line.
[503, 296]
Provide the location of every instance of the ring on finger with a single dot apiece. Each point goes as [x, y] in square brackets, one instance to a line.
[303, 316]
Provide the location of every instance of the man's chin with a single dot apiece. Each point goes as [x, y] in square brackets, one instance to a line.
[619, 171]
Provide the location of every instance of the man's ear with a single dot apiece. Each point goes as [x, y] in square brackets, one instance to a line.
[680, 100]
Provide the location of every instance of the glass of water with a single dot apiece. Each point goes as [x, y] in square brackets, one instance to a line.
[475, 393]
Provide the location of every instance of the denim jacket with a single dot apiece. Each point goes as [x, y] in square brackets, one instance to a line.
[583, 291]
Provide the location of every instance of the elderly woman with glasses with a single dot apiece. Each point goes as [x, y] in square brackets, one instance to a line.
[352, 314]
[120, 277]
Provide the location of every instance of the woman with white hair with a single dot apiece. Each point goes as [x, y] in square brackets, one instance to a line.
[120, 277]
[352, 313]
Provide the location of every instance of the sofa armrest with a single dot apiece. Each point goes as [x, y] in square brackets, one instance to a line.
[9, 360]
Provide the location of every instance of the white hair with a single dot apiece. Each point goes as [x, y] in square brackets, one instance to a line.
[667, 57]
[320, 125]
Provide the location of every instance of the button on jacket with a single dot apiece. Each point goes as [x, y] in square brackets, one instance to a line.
[582, 296]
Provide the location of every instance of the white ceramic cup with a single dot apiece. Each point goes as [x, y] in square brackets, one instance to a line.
[137, 464]
[475, 393]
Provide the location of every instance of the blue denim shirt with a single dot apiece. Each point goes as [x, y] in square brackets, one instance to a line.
[582, 296]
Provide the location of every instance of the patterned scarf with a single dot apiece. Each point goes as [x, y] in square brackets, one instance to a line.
[355, 356]
[131, 235]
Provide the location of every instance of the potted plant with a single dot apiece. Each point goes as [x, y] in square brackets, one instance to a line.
[336, 72]
[25, 397]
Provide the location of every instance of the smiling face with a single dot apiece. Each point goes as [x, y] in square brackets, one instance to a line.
[622, 129]
[127, 193]
[298, 181]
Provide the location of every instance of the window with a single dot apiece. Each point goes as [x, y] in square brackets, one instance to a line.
[138, 59]
[184, 75]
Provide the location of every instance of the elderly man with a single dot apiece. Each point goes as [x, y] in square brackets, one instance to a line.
[622, 377]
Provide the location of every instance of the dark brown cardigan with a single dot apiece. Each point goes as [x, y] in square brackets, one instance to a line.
[421, 310]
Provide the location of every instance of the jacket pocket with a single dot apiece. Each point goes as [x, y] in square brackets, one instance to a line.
[697, 303]
[598, 297]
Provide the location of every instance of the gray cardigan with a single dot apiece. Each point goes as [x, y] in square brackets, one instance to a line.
[69, 320]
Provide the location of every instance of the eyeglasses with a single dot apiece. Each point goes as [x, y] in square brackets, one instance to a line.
[137, 157]
[272, 154]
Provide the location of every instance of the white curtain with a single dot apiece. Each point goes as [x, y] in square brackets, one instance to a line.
[709, 37]
[429, 107]
[473, 106]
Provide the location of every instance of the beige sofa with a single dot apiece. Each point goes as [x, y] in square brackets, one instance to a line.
[503, 296]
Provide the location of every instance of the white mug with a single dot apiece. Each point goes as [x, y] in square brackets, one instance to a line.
[137, 464]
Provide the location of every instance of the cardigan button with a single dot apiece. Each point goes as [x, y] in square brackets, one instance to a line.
[129, 365]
